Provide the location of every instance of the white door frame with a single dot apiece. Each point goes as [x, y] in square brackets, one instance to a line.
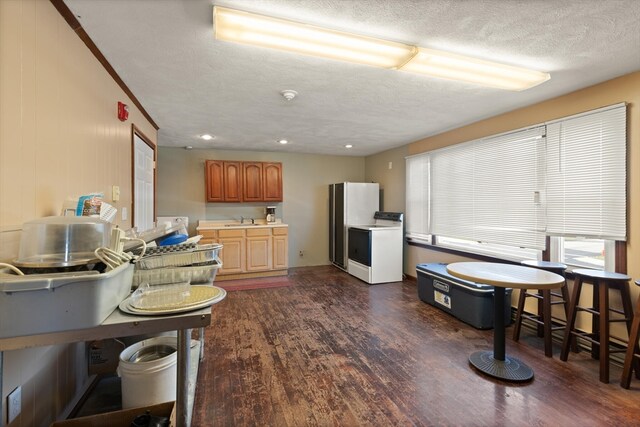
[135, 131]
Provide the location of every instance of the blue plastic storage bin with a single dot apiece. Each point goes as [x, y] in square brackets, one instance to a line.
[468, 301]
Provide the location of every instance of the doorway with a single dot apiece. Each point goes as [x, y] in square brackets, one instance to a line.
[144, 177]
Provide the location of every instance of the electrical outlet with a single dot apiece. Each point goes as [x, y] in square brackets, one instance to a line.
[14, 404]
[301, 253]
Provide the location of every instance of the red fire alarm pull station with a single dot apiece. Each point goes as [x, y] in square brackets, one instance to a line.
[123, 112]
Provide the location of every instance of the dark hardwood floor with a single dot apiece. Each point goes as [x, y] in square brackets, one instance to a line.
[332, 350]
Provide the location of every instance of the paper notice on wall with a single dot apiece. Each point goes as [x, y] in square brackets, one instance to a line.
[107, 212]
[89, 205]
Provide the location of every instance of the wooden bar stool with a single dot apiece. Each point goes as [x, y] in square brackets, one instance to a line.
[633, 352]
[543, 319]
[599, 337]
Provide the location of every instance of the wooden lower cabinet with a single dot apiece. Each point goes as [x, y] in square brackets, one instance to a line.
[232, 255]
[259, 249]
[280, 248]
[208, 237]
[259, 253]
[250, 251]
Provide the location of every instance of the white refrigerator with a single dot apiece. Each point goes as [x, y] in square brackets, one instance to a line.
[350, 203]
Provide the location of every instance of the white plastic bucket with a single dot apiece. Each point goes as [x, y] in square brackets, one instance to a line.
[148, 373]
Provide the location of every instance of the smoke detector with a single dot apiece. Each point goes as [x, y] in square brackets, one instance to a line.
[289, 94]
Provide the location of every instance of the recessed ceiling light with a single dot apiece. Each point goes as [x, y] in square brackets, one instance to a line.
[207, 137]
[283, 141]
[348, 146]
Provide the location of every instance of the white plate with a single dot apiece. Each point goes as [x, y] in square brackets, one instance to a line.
[194, 239]
[126, 306]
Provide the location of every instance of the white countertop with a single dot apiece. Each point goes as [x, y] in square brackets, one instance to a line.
[506, 275]
[230, 225]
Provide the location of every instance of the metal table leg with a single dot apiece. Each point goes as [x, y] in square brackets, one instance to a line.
[495, 363]
[1, 399]
[201, 338]
[182, 392]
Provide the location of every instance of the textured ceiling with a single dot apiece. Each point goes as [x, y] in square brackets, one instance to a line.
[191, 84]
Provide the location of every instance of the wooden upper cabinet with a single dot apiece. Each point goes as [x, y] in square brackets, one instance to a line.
[252, 176]
[272, 182]
[214, 181]
[223, 181]
[233, 181]
[229, 181]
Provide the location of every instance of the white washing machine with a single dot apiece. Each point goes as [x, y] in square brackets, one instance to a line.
[375, 250]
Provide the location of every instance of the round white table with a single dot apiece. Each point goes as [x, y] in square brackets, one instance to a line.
[495, 363]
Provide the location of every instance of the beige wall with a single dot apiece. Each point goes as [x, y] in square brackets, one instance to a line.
[59, 137]
[388, 168]
[392, 182]
[306, 195]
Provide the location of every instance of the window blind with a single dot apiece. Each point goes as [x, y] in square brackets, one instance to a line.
[417, 196]
[586, 184]
[489, 190]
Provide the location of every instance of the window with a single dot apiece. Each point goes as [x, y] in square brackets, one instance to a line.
[488, 190]
[417, 202]
[586, 188]
[576, 252]
[482, 196]
[583, 252]
[511, 253]
[587, 176]
[503, 195]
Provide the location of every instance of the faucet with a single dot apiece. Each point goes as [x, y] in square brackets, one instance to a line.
[241, 219]
[253, 221]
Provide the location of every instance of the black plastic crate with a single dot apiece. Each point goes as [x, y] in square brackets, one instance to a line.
[468, 301]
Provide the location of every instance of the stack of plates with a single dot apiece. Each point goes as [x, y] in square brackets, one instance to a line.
[199, 297]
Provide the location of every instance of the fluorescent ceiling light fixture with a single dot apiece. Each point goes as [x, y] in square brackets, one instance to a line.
[283, 141]
[257, 30]
[206, 137]
[486, 73]
[263, 31]
[348, 146]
